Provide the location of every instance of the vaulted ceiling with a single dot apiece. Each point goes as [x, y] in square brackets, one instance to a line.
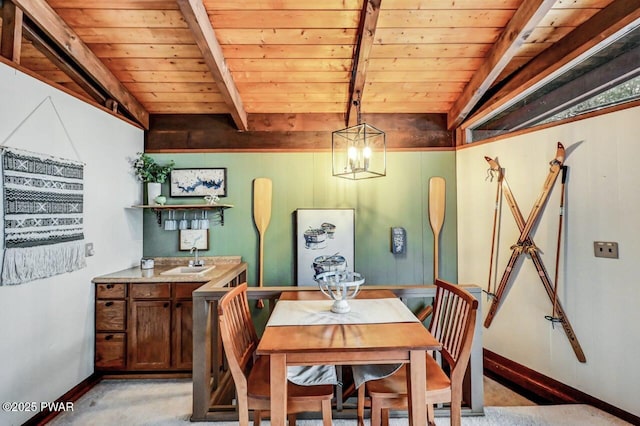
[255, 57]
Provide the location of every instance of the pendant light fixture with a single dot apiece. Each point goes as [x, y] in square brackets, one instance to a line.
[360, 151]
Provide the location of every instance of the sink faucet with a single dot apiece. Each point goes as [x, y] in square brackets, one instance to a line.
[195, 261]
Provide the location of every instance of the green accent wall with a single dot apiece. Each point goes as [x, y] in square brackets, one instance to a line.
[303, 180]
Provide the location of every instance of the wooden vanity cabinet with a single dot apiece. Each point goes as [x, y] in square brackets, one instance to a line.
[144, 327]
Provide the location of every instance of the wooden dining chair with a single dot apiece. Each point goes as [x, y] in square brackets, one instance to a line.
[251, 372]
[452, 323]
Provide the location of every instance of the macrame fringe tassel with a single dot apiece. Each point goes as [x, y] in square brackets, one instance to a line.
[32, 263]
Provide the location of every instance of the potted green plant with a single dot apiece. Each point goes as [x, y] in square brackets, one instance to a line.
[153, 174]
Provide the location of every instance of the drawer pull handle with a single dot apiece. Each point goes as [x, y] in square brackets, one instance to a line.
[166, 305]
[109, 337]
[108, 304]
[109, 285]
[178, 304]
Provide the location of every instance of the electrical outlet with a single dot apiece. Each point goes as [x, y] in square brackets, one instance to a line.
[605, 249]
[88, 250]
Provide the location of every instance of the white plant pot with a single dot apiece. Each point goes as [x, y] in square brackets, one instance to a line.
[153, 190]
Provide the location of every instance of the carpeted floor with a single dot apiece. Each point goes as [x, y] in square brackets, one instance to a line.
[168, 403]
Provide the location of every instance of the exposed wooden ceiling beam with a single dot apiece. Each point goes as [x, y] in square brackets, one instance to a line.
[287, 132]
[524, 21]
[48, 21]
[198, 20]
[604, 24]
[60, 62]
[11, 41]
[366, 33]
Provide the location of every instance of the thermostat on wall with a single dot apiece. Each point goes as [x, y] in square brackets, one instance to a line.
[398, 240]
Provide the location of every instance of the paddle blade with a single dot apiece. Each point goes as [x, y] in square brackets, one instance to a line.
[436, 203]
[436, 216]
[262, 193]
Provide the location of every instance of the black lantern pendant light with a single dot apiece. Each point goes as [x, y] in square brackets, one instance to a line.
[359, 152]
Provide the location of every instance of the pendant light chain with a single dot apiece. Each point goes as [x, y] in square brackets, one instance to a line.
[357, 103]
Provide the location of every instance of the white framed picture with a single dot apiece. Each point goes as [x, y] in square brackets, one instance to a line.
[198, 182]
[325, 241]
[190, 238]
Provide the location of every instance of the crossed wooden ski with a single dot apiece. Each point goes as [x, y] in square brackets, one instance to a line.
[525, 245]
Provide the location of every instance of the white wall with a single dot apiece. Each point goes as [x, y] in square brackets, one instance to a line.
[47, 325]
[600, 296]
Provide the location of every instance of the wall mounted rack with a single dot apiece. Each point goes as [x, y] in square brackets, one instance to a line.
[158, 209]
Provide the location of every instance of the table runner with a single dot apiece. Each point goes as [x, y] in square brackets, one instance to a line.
[318, 312]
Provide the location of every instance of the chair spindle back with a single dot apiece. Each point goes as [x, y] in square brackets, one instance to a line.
[238, 333]
[454, 314]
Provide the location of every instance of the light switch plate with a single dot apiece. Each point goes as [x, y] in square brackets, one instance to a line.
[88, 250]
[607, 249]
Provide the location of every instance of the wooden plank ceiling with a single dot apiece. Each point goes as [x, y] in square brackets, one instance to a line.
[299, 56]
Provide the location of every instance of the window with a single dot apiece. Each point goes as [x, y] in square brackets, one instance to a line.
[607, 77]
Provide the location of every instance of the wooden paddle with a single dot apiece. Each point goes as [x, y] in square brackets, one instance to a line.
[436, 216]
[262, 189]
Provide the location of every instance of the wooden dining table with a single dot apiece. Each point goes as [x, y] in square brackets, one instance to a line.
[347, 344]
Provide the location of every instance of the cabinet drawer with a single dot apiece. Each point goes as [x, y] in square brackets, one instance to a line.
[183, 291]
[111, 291]
[110, 350]
[111, 315]
[150, 291]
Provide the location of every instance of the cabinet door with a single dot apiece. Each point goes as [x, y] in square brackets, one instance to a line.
[150, 335]
[183, 335]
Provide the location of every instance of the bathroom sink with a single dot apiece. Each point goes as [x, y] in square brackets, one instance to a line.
[188, 270]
